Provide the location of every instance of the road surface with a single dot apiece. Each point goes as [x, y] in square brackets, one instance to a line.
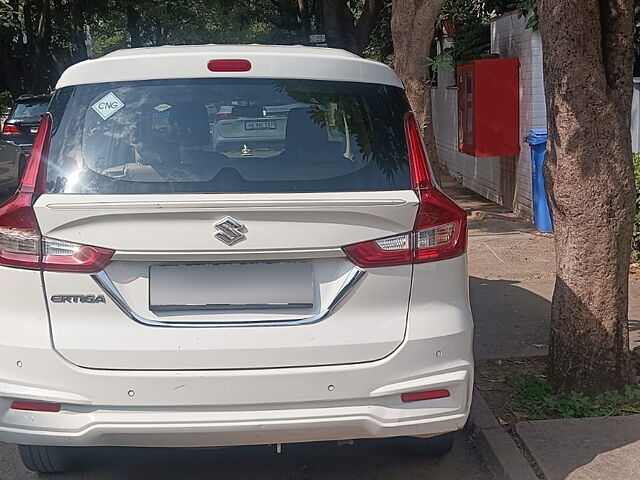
[371, 460]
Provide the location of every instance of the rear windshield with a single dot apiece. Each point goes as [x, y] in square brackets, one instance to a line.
[228, 135]
[30, 109]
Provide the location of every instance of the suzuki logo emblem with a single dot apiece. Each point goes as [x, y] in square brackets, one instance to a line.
[230, 230]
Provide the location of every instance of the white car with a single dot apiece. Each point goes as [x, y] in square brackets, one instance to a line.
[158, 293]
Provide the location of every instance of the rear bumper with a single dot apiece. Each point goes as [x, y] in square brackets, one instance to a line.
[194, 409]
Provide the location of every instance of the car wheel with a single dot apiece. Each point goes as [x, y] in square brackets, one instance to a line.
[43, 459]
[433, 447]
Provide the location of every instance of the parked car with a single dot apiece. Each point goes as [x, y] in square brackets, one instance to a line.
[164, 294]
[12, 162]
[21, 125]
[239, 125]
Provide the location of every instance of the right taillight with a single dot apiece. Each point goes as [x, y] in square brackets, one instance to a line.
[21, 244]
[440, 229]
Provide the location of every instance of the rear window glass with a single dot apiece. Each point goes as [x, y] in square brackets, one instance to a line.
[227, 135]
[29, 109]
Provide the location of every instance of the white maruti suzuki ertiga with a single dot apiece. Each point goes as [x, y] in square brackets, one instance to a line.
[230, 245]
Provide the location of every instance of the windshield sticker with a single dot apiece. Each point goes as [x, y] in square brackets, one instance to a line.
[107, 105]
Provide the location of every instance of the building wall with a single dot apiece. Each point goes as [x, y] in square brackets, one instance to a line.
[488, 176]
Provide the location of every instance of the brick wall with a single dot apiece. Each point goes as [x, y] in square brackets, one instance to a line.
[488, 176]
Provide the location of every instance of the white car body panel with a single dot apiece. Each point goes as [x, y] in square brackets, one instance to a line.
[283, 61]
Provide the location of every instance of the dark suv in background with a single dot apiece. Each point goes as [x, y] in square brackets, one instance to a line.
[21, 125]
[18, 134]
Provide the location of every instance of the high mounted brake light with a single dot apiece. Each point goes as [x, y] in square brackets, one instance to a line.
[21, 243]
[440, 229]
[229, 65]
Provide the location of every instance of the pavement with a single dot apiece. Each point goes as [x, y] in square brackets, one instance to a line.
[585, 448]
[512, 270]
[512, 275]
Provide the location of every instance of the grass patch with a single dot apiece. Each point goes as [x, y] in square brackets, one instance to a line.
[517, 389]
[535, 398]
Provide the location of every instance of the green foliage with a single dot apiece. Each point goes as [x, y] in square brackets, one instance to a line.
[535, 397]
[472, 40]
[472, 37]
[5, 102]
[529, 10]
[442, 61]
[380, 46]
[636, 225]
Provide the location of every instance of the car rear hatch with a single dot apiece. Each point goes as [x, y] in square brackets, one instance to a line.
[225, 260]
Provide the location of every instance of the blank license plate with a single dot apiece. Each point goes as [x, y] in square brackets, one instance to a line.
[229, 286]
[261, 125]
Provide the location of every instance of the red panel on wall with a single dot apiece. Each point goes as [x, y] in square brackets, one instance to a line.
[489, 107]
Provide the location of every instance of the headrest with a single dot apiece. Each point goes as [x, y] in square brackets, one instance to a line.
[304, 133]
[249, 111]
[190, 124]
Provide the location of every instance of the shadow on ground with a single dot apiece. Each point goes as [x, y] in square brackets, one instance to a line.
[585, 448]
[366, 460]
[511, 321]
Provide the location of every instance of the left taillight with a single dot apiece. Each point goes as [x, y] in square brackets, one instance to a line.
[10, 129]
[440, 229]
[21, 243]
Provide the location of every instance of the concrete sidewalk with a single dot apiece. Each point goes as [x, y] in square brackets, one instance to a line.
[585, 448]
[512, 274]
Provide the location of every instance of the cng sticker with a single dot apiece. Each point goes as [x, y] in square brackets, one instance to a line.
[107, 105]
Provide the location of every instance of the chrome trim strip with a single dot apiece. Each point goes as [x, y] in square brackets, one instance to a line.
[347, 287]
[237, 205]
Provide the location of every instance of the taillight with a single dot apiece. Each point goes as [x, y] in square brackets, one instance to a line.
[440, 229]
[21, 244]
[225, 116]
[9, 129]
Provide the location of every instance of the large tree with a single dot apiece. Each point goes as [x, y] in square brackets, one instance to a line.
[412, 28]
[588, 60]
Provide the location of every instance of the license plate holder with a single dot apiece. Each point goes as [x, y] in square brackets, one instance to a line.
[231, 286]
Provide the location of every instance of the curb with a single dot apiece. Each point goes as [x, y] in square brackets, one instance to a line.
[496, 447]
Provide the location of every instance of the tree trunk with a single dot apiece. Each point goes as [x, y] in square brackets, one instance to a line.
[588, 59]
[412, 28]
[78, 34]
[341, 28]
[133, 26]
[42, 52]
[305, 20]
[335, 23]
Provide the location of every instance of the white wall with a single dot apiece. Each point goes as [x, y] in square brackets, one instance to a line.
[509, 38]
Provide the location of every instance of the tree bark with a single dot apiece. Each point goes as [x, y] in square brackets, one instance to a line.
[305, 20]
[588, 60]
[133, 26]
[42, 50]
[342, 29]
[412, 28]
